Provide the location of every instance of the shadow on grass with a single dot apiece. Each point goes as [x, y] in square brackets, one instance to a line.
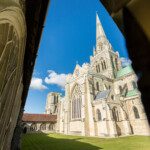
[47, 142]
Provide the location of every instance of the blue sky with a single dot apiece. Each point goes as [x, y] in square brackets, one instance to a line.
[69, 35]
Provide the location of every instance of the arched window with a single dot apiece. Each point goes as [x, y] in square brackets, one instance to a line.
[104, 65]
[98, 68]
[134, 85]
[136, 113]
[99, 118]
[57, 99]
[120, 89]
[115, 114]
[43, 126]
[112, 62]
[76, 103]
[97, 86]
[33, 127]
[54, 99]
[112, 97]
[116, 63]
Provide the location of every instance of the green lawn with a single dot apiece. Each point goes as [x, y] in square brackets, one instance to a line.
[54, 141]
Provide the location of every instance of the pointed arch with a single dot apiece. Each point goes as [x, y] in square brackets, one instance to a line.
[136, 112]
[33, 127]
[76, 102]
[97, 86]
[99, 67]
[73, 87]
[104, 64]
[43, 126]
[116, 62]
[134, 84]
[115, 114]
[98, 115]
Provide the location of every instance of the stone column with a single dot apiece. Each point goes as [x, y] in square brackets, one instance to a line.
[83, 112]
[89, 122]
[126, 123]
[111, 122]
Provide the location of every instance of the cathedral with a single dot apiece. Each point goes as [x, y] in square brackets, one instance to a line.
[101, 98]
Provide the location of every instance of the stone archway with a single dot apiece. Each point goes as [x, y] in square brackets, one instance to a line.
[25, 130]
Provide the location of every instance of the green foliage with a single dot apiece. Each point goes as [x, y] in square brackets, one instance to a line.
[54, 141]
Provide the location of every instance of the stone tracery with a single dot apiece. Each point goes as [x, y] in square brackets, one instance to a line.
[76, 103]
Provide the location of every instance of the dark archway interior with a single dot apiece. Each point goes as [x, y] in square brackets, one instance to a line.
[25, 130]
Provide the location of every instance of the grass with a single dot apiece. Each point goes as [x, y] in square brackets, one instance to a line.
[55, 141]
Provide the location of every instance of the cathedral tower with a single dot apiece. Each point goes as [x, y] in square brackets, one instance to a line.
[52, 103]
[105, 61]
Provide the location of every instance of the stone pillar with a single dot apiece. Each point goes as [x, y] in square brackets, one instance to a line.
[126, 123]
[47, 127]
[38, 126]
[111, 123]
[83, 113]
[89, 122]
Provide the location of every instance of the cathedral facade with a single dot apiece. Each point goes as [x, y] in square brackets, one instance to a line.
[101, 98]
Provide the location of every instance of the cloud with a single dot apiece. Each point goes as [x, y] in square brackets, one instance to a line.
[58, 79]
[36, 84]
[125, 61]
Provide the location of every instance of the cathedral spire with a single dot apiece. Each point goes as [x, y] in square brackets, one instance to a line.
[99, 29]
[100, 34]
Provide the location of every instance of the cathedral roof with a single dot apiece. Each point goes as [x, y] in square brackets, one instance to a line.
[124, 71]
[103, 94]
[39, 117]
[132, 93]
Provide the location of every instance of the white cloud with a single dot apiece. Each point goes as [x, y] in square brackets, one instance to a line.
[36, 84]
[125, 61]
[58, 79]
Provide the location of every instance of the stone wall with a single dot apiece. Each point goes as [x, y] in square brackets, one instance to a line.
[38, 127]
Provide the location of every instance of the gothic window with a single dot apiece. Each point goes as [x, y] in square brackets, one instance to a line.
[112, 97]
[116, 64]
[43, 126]
[97, 86]
[134, 85]
[115, 114]
[120, 89]
[99, 118]
[98, 68]
[57, 99]
[136, 112]
[104, 65]
[33, 127]
[76, 103]
[112, 62]
[54, 99]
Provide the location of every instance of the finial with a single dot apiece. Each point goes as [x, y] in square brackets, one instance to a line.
[76, 62]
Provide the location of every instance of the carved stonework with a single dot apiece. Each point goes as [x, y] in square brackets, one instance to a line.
[12, 48]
